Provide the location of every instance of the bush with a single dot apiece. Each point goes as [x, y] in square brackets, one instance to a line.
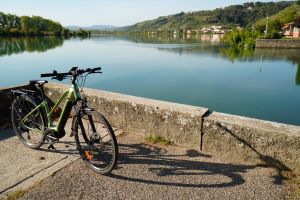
[274, 35]
[241, 38]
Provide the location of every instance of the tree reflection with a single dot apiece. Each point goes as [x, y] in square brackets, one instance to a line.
[291, 55]
[298, 75]
[240, 54]
[9, 45]
[169, 39]
[210, 44]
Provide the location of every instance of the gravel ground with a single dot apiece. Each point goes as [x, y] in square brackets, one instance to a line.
[147, 171]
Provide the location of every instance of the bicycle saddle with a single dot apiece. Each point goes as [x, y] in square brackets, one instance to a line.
[37, 82]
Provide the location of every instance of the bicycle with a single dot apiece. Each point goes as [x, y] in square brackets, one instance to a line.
[33, 124]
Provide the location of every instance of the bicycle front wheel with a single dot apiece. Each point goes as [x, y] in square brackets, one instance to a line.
[31, 132]
[96, 141]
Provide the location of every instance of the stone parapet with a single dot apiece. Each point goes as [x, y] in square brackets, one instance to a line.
[278, 43]
[190, 126]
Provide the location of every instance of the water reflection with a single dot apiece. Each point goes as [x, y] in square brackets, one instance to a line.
[298, 75]
[210, 44]
[237, 54]
[9, 45]
[291, 55]
[170, 39]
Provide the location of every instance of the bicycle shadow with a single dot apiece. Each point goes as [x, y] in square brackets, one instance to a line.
[64, 146]
[159, 163]
[268, 160]
[6, 134]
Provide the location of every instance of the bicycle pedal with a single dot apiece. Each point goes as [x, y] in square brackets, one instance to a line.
[51, 147]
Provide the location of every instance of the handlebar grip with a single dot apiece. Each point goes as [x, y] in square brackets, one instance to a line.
[47, 75]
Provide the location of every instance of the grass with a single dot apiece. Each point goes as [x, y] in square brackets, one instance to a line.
[158, 139]
[15, 195]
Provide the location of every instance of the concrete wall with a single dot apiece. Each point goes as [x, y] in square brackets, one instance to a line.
[181, 123]
[252, 139]
[278, 43]
[227, 135]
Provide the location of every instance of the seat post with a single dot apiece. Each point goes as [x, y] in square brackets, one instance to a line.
[41, 87]
[39, 84]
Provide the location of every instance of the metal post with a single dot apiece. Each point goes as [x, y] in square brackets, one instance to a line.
[267, 26]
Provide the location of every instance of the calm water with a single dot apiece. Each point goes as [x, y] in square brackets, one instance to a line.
[263, 83]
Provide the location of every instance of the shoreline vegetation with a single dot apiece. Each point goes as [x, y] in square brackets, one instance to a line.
[240, 24]
[267, 28]
[13, 25]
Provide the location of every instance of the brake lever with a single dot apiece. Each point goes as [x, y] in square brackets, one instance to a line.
[59, 78]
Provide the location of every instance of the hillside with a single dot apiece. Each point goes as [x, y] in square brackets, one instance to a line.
[242, 15]
[277, 20]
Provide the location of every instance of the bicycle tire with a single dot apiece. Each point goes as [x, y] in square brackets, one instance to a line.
[21, 106]
[94, 146]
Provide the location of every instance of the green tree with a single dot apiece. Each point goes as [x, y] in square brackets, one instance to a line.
[275, 25]
[241, 38]
[26, 24]
[3, 20]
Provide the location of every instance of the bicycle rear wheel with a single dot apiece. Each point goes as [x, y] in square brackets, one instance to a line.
[96, 141]
[30, 132]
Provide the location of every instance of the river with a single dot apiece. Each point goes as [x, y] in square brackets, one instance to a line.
[261, 83]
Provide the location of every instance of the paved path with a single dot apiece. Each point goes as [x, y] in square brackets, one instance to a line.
[21, 166]
[147, 171]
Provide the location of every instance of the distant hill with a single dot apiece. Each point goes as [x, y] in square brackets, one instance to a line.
[236, 15]
[284, 16]
[94, 27]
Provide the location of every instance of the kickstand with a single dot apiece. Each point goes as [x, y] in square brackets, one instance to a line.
[51, 147]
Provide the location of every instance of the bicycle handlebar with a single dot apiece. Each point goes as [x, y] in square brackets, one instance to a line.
[73, 72]
[46, 75]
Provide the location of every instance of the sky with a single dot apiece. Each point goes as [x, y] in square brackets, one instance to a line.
[108, 12]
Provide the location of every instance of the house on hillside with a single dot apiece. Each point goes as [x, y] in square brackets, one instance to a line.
[291, 29]
[205, 30]
[214, 29]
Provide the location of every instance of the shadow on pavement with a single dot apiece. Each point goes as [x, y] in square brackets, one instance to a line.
[6, 133]
[163, 165]
[63, 146]
[270, 161]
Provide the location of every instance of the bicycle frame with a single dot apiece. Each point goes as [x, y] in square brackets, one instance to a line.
[72, 95]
